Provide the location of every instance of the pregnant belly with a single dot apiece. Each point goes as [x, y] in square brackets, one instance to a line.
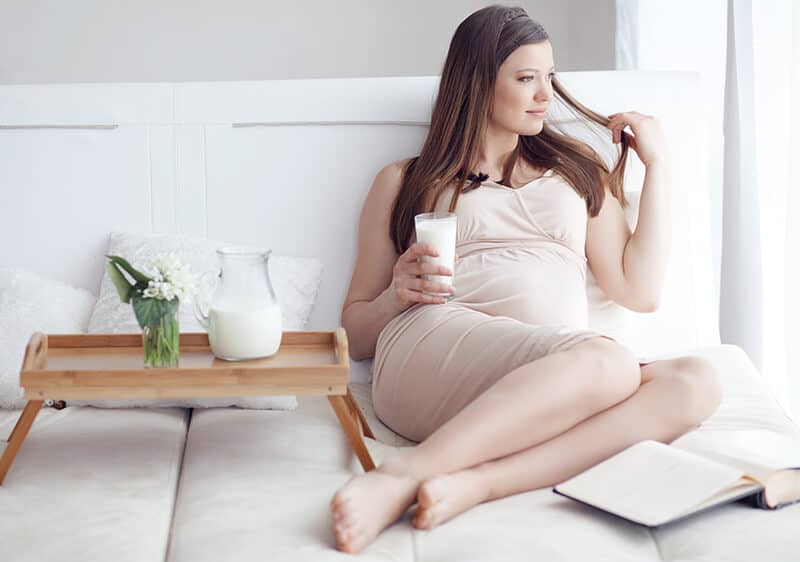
[530, 285]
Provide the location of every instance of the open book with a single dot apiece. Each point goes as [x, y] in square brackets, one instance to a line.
[651, 483]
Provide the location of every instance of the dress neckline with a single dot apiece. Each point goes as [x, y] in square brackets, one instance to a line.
[547, 173]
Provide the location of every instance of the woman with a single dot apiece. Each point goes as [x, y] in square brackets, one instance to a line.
[502, 385]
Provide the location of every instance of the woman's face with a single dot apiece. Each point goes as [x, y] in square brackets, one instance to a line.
[523, 88]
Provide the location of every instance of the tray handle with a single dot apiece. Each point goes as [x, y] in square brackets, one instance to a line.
[340, 337]
[35, 352]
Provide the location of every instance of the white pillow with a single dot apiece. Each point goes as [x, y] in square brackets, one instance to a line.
[295, 281]
[30, 303]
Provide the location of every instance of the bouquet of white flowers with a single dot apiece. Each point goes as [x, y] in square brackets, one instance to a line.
[155, 296]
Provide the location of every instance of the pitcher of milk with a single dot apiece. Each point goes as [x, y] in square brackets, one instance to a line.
[244, 318]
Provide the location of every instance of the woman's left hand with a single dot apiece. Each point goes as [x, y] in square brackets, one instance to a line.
[648, 140]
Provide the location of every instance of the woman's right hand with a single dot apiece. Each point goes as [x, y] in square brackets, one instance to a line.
[407, 285]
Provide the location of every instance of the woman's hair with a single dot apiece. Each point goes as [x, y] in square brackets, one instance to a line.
[461, 114]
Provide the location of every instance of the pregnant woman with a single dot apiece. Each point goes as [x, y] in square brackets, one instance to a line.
[503, 385]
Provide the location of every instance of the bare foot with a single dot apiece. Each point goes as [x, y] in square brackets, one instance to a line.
[369, 503]
[443, 497]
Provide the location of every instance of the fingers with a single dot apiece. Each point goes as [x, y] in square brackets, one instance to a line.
[617, 126]
[629, 114]
[415, 268]
[410, 286]
[418, 250]
[613, 126]
[617, 122]
[413, 265]
[429, 286]
[616, 135]
[416, 296]
[418, 284]
[428, 268]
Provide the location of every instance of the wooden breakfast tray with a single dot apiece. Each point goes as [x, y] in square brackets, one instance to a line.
[103, 366]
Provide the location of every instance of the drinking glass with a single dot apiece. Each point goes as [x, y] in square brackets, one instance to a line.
[438, 229]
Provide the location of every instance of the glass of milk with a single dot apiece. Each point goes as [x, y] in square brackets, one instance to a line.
[244, 318]
[438, 229]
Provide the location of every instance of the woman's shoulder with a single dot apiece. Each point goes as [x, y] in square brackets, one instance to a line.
[390, 177]
[387, 183]
[396, 169]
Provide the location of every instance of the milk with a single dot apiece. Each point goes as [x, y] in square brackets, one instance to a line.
[441, 234]
[244, 333]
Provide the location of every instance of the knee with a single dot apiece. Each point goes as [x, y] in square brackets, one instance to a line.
[612, 372]
[696, 391]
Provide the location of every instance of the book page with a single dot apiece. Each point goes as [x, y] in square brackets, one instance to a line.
[783, 487]
[651, 482]
[743, 487]
[756, 447]
[758, 472]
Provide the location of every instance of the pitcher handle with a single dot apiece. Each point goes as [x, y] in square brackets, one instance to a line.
[202, 316]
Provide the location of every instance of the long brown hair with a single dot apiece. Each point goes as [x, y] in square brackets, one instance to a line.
[460, 116]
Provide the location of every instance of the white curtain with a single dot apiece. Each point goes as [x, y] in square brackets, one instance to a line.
[757, 231]
[661, 36]
[759, 304]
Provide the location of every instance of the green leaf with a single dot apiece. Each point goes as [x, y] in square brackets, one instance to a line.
[139, 277]
[124, 288]
[149, 311]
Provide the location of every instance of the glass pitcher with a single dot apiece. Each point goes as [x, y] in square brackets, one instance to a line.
[244, 318]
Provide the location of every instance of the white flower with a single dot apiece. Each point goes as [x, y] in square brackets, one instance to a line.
[169, 279]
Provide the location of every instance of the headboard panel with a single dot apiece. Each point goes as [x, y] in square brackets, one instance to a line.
[286, 165]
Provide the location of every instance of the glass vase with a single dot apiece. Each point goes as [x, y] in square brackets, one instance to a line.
[160, 332]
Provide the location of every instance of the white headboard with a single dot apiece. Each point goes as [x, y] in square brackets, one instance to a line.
[283, 164]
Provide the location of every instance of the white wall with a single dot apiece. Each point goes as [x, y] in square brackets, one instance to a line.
[187, 40]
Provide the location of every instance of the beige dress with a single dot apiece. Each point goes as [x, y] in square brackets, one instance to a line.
[520, 295]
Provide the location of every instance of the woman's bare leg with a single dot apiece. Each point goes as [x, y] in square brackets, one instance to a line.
[675, 396]
[527, 406]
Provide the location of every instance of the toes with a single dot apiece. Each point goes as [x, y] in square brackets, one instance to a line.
[424, 519]
[343, 537]
[339, 514]
[424, 495]
[341, 509]
[340, 498]
[345, 522]
[357, 543]
[343, 544]
[350, 540]
[344, 528]
[416, 518]
[427, 495]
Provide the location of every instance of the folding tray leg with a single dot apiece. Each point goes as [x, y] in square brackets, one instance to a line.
[362, 420]
[18, 435]
[350, 418]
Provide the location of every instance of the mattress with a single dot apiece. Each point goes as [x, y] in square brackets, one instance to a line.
[256, 486]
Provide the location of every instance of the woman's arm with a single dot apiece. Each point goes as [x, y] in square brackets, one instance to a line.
[385, 284]
[369, 304]
[363, 322]
[647, 252]
[630, 267]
